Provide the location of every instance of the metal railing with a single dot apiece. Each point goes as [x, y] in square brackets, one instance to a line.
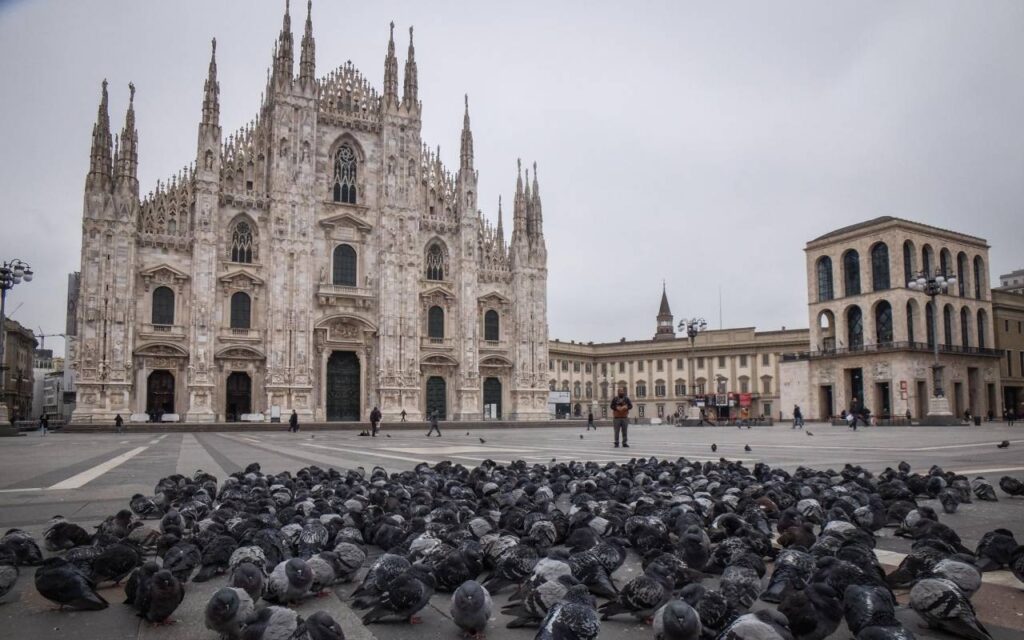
[888, 347]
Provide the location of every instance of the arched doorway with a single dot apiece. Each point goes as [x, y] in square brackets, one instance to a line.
[492, 395]
[437, 397]
[160, 393]
[239, 396]
[343, 386]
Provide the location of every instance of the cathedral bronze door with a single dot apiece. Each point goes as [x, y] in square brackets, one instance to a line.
[239, 396]
[492, 395]
[437, 397]
[160, 393]
[343, 386]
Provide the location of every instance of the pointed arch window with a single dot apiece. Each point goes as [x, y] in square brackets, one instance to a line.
[851, 273]
[243, 242]
[491, 325]
[241, 311]
[344, 265]
[879, 267]
[883, 323]
[855, 328]
[345, 175]
[435, 262]
[435, 323]
[825, 290]
[163, 306]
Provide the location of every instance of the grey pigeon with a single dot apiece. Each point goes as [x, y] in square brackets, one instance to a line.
[165, 594]
[144, 507]
[995, 549]
[228, 611]
[792, 569]
[182, 559]
[898, 632]
[471, 607]
[741, 586]
[1017, 563]
[289, 582]
[405, 596]
[712, 607]
[216, 557]
[868, 606]
[963, 575]
[272, 623]
[25, 548]
[676, 620]
[350, 558]
[321, 626]
[813, 612]
[60, 582]
[114, 563]
[538, 600]
[252, 554]
[8, 576]
[62, 535]
[248, 577]
[943, 606]
[760, 625]
[380, 574]
[322, 567]
[136, 590]
[643, 595]
[574, 618]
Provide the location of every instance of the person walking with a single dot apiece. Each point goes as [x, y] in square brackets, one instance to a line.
[374, 421]
[621, 405]
[433, 425]
[1011, 416]
[403, 415]
[798, 417]
[293, 422]
[44, 424]
[119, 423]
[590, 421]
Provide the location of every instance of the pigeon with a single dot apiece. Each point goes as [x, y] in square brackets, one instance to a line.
[712, 607]
[471, 608]
[136, 590]
[643, 595]
[290, 581]
[1017, 563]
[216, 557]
[514, 566]
[676, 620]
[27, 552]
[349, 560]
[114, 563]
[1011, 486]
[574, 618]
[868, 606]
[182, 559]
[272, 623]
[747, 448]
[896, 632]
[965, 576]
[741, 586]
[760, 625]
[1005, 444]
[380, 574]
[144, 507]
[813, 612]
[62, 535]
[581, 436]
[943, 606]
[792, 570]
[165, 594]
[8, 576]
[983, 489]
[61, 583]
[995, 549]
[808, 433]
[714, 447]
[321, 626]
[405, 596]
[482, 441]
[248, 577]
[228, 611]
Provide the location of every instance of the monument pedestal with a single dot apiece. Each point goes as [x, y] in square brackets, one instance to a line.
[939, 413]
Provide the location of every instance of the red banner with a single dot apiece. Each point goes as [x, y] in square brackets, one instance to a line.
[745, 399]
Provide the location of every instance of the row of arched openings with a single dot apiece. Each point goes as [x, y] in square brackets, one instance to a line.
[880, 270]
[162, 311]
[884, 335]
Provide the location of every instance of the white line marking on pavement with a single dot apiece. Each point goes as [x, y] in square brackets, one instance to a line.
[996, 470]
[123, 442]
[962, 446]
[364, 452]
[78, 480]
[17, 490]
[253, 440]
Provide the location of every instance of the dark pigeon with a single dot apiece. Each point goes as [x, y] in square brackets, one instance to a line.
[61, 583]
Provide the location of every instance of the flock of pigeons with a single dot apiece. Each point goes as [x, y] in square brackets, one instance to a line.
[552, 535]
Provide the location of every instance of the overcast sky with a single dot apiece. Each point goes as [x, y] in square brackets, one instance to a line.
[699, 143]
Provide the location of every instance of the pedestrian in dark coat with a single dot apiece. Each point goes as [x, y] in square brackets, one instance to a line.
[293, 422]
[44, 424]
[433, 425]
[590, 421]
[374, 421]
[119, 423]
[621, 405]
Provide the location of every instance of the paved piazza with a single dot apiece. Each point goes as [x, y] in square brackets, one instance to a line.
[88, 476]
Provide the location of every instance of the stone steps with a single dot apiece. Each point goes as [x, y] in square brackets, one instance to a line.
[228, 427]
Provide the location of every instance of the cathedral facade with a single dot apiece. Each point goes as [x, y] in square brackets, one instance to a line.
[320, 259]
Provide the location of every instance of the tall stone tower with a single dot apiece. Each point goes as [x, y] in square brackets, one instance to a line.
[665, 329]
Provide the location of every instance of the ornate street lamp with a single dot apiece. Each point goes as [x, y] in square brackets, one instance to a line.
[933, 284]
[11, 273]
[692, 327]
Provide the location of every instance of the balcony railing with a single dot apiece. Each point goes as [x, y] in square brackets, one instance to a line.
[435, 343]
[236, 333]
[164, 330]
[890, 347]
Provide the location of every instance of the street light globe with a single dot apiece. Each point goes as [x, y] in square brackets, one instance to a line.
[28, 275]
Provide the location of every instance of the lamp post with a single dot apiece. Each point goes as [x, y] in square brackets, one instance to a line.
[932, 284]
[11, 273]
[692, 327]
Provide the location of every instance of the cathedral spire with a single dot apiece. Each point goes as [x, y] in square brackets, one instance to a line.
[128, 156]
[411, 90]
[535, 208]
[307, 61]
[100, 165]
[466, 154]
[501, 229]
[391, 71]
[518, 206]
[211, 90]
[284, 58]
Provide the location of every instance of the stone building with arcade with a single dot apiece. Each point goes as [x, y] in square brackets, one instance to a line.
[321, 258]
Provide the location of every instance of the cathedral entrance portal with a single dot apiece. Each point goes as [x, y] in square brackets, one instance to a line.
[437, 397]
[492, 395]
[160, 393]
[343, 386]
[239, 396]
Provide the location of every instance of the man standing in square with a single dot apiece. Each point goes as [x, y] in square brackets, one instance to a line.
[621, 406]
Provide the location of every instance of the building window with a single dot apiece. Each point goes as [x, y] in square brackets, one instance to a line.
[883, 323]
[855, 328]
[979, 276]
[765, 360]
[344, 265]
[965, 327]
[641, 389]
[944, 260]
[909, 272]
[926, 258]
[743, 360]
[551, 385]
[604, 368]
[659, 388]
[982, 322]
[661, 410]
[491, 325]
[435, 323]
[604, 390]
[622, 367]
[767, 409]
[961, 269]
[565, 365]
[910, 321]
[576, 389]
[700, 362]
[576, 367]
[851, 273]
[880, 267]
[590, 391]
[947, 325]
[701, 386]
[825, 289]
[435, 262]
[551, 365]
[345, 175]
[721, 361]
[588, 369]
[163, 306]
[661, 365]
[680, 387]
[1009, 363]
[744, 384]
[679, 363]
[929, 323]
[640, 410]
[243, 246]
[640, 365]
[766, 385]
[241, 311]
[565, 385]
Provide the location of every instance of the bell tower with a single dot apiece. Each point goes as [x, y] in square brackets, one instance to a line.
[665, 329]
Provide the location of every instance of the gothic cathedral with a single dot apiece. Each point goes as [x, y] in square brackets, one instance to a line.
[320, 259]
